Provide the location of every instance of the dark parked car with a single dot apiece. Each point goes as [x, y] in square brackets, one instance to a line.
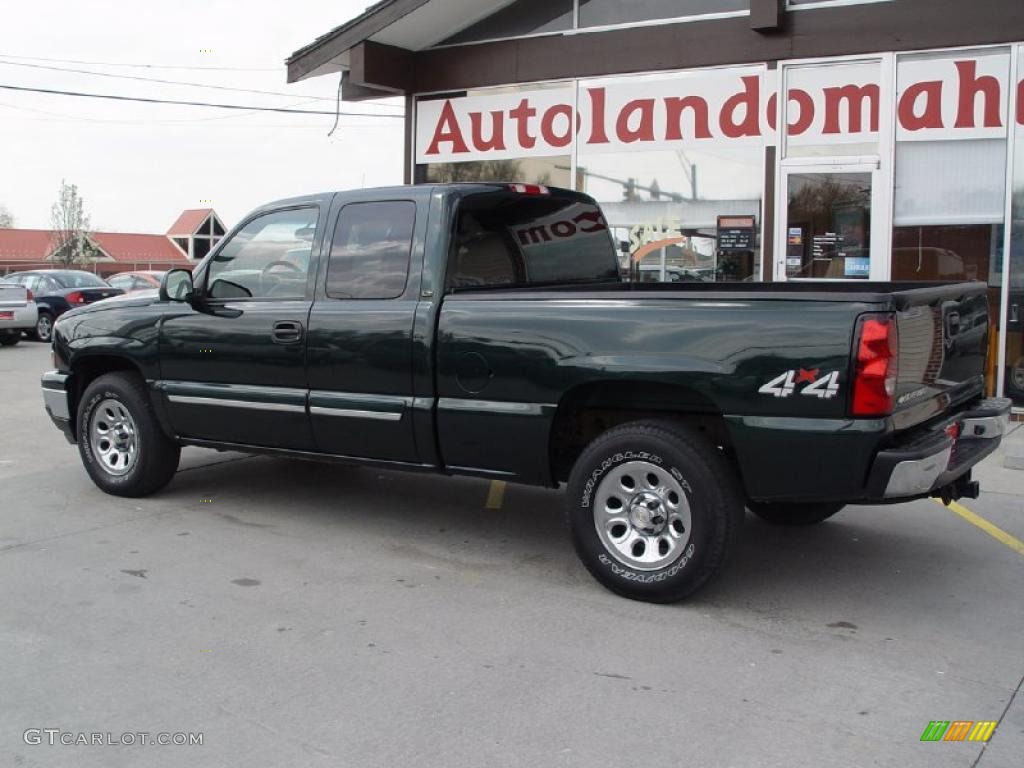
[483, 329]
[58, 290]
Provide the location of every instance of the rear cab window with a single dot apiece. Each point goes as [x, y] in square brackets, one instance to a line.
[370, 250]
[510, 239]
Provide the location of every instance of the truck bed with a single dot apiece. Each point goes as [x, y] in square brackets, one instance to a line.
[719, 348]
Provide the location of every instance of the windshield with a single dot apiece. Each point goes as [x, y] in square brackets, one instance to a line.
[79, 280]
[506, 239]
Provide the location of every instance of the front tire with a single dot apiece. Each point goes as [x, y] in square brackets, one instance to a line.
[120, 440]
[783, 513]
[655, 510]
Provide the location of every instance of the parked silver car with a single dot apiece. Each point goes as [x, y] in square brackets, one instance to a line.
[18, 313]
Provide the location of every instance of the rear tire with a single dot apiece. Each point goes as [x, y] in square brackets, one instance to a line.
[784, 513]
[655, 510]
[44, 328]
[123, 448]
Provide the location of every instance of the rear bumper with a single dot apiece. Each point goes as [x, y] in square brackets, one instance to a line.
[57, 402]
[933, 460]
[23, 317]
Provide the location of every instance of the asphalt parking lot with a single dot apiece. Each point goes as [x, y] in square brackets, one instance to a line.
[300, 614]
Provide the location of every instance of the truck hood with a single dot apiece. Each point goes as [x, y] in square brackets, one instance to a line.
[137, 299]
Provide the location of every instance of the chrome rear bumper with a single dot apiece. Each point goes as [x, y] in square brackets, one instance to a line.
[938, 456]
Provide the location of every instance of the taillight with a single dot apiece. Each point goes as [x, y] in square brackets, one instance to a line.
[874, 374]
[28, 295]
[76, 297]
[530, 189]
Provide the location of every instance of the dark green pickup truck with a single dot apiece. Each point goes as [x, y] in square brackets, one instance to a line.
[483, 329]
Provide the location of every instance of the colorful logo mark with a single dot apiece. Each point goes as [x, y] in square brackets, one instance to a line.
[959, 730]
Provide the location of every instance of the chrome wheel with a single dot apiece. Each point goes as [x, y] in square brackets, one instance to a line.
[642, 515]
[113, 437]
[44, 327]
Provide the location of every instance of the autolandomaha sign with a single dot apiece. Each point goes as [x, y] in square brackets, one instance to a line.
[955, 97]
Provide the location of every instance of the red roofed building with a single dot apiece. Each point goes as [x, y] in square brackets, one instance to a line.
[24, 244]
[188, 240]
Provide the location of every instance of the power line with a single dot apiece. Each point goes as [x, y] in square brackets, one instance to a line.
[201, 122]
[192, 103]
[163, 81]
[205, 121]
[142, 66]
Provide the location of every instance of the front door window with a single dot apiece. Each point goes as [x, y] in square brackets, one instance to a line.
[267, 258]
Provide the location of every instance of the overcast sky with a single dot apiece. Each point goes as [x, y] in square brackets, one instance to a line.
[139, 165]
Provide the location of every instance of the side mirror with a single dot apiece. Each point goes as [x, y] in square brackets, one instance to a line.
[176, 285]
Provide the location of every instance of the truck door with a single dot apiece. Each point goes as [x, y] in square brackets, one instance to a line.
[360, 344]
[233, 368]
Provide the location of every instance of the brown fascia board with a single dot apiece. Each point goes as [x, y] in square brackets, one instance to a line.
[355, 92]
[382, 67]
[350, 34]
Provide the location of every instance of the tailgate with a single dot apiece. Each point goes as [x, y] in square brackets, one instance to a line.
[943, 342]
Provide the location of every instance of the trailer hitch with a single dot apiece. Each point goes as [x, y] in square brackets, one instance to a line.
[961, 488]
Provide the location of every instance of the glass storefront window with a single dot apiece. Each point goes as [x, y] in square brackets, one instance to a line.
[598, 13]
[947, 252]
[948, 211]
[949, 200]
[664, 208]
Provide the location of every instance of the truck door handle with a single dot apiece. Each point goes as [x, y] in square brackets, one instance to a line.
[287, 332]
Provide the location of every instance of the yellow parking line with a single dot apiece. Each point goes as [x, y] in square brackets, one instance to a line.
[495, 495]
[994, 531]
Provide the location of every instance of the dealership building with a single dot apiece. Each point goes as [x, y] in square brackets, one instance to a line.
[730, 140]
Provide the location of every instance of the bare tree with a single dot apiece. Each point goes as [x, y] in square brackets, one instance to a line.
[69, 224]
[6, 219]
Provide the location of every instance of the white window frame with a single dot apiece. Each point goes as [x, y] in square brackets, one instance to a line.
[828, 4]
[711, 16]
[879, 269]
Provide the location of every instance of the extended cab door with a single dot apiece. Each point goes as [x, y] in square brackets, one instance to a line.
[360, 345]
[233, 369]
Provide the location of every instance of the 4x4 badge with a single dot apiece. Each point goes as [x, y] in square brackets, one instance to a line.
[825, 388]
